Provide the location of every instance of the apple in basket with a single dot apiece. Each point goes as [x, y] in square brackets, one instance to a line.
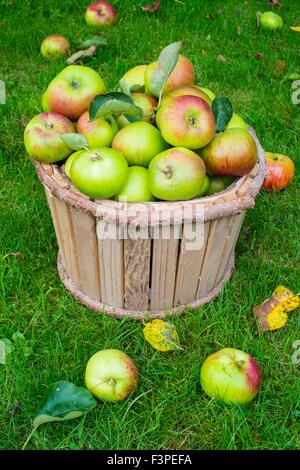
[99, 133]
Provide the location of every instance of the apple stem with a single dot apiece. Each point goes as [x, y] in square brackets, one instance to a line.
[240, 363]
[94, 156]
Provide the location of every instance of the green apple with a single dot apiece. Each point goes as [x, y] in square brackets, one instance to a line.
[139, 142]
[176, 174]
[69, 161]
[136, 188]
[54, 47]
[204, 187]
[135, 76]
[237, 121]
[216, 185]
[100, 173]
[208, 92]
[270, 20]
[101, 14]
[144, 101]
[99, 133]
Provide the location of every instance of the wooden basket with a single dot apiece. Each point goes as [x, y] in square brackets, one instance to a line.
[150, 276]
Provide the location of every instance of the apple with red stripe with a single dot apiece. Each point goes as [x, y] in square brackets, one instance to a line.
[280, 171]
[101, 14]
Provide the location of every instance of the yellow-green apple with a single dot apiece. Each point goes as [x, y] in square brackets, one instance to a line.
[55, 46]
[280, 171]
[176, 174]
[135, 76]
[186, 121]
[144, 101]
[100, 173]
[270, 20]
[231, 375]
[69, 161]
[136, 188]
[99, 133]
[101, 14]
[183, 74]
[139, 142]
[204, 187]
[232, 152]
[42, 137]
[208, 92]
[111, 375]
[237, 121]
[72, 90]
[189, 90]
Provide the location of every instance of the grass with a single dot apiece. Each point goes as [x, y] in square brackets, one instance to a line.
[60, 333]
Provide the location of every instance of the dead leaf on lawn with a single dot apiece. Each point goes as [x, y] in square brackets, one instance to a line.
[151, 7]
[18, 254]
[281, 66]
[239, 30]
[84, 53]
[295, 28]
[13, 409]
[209, 17]
[221, 58]
[259, 55]
[23, 121]
[275, 3]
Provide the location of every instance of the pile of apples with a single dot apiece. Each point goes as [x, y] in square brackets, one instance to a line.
[145, 141]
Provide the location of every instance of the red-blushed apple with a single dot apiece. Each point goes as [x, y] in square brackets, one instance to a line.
[176, 174]
[237, 121]
[232, 152]
[69, 161]
[183, 74]
[55, 46]
[139, 142]
[100, 173]
[42, 137]
[111, 375]
[136, 188]
[231, 375]
[204, 187]
[101, 14]
[280, 171]
[208, 92]
[189, 90]
[71, 92]
[135, 76]
[99, 133]
[186, 121]
[144, 101]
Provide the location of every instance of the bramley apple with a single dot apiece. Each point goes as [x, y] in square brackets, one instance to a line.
[72, 90]
[183, 74]
[231, 375]
[177, 173]
[136, 187]
[111, 375]
[101, 14]
[99, 133]
[42, 137]
[186, 121]
[55, 46]
[144, 101]
[237, 121]
[232, 152]
[189, 90]
[139, 142]
[100, 173]
[280, 171]
[135, 76]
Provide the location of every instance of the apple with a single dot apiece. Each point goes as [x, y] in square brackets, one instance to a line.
[111, 375]
[176, 174]
[183, 74]
[55, 46]
[42, 137]
[186, 121]
[72, 90]
[204, 187]
[135, 76]
[144, 101]
[216, 185]
[101, 14]
[271, 21]
[232, 152]
[139, 142]
[237, 121]
[99, 133]
[231, 375]
[189, 90]
[280, 171]
[136, 188]
[100, 173]
[69, 161]
[208, 92]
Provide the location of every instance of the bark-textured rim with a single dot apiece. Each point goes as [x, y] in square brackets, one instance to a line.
[236, 198]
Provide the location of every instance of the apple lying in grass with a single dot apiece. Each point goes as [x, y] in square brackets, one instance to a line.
[231, 375]
[135, 76]
[101, 14]
[144, 101]
[55, 46]
[111, 375]
[270, 21]
[42, 137]
[280, 171]
[189, 90]
[176, 174]
[186, 121]
[136, 187]
[237, 121]
[139, 142]
[72, 90]
[99, 133]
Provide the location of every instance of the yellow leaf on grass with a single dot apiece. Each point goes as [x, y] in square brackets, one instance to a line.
[272, 314]
[295, 28]
[161, 335]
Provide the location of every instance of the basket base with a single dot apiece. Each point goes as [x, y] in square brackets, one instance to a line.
[110, 310]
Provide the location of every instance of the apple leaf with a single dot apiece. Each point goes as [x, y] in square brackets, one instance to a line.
[6, 347]
[166, 63]
[114, 103]
[161, 335]
[74, 141]
[93, 40]
[222, 109]
[295, 28]
[125, 87]
[272, 314]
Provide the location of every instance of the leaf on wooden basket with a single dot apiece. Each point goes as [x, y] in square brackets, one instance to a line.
[295, 28]
[166, 63]
[222, 110]
[151, 7]
[114, 103]
[272, 314]
[74, 141]
[161, 335]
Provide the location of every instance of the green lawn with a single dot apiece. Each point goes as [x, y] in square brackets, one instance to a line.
[61, 335]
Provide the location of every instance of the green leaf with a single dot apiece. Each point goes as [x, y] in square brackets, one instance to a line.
[62, 401]
[113, 103]
[93, 40]
[166, 63]
[291, 76]
[222, 109]
[125, 87]
[6, 347]
[18, 337]
[133, 118]
[74, 141]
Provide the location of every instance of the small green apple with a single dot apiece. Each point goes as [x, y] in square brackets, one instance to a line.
[136, 188]
[69, 161]
[204, 187]
[99, 133]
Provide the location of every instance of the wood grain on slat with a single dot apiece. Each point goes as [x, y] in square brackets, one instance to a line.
[136, 273]
[84, 228]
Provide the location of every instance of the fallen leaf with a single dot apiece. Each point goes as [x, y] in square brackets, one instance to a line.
[272, 314]
[209, 17]
[259, 55]
[13, 409]
[2, 24]
[203, 52]
[221, 58]
[295, 28]
[84, 53]
[238, 30]
[23, 120]
[151, 7]
[161, 335]
[275, 3]
[281, 66]
[18, 254]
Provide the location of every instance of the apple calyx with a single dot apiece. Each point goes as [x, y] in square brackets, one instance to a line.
[75, 84]
[240, 363]
[49, 125]
[167, 172]
[192, 120]
[111, 382]
[94, 156]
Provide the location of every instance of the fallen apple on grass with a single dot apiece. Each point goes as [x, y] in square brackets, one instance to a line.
[54, 47]
[101, 14]
[270, 21]
[99, 133]
[136, 187]
[280, 171]
[111, 375]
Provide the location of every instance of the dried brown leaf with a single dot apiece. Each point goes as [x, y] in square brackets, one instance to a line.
[23, 120]
[238, 30]
[221, 58]
[18, 254]
[209, 17]
[151, 7]
[259, 55]
[275, 3]
[84, 53]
